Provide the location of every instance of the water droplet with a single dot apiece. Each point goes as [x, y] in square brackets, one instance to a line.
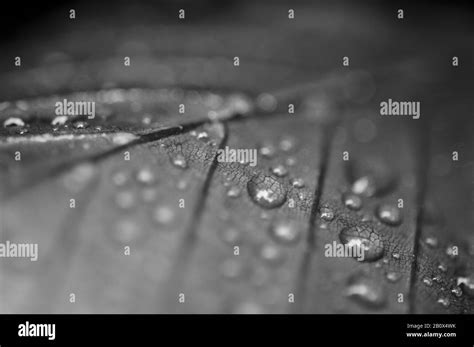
[59, 120]
[149, 194]
[363, 237]
[267, 150]
[272, 254]
[234, 192]
[367, 292]
[444, 302]
[327, 214]
[389, 214]
[77, 179]
[230, 236]
[125, 199]
[13, 122]
[452, 252]
[267, 102]
[442, 267]
[352, 201]
[285, 232]
[80, 125]
[437, 279]
[232, 268]
[266, 191]
[127, 232]
[297, 183]
[396, 256]
[290, 161]
[364, 186]
[457, 291]
[182, 184]
[287, 144]
[427, 282]
[393, 276]
[145, 176]
[120, 178]
[163, 215]
[431, 242]
[202, 135]
[179, 161]
[279, 171]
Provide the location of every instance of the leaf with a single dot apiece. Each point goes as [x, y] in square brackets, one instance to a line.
[182, 212]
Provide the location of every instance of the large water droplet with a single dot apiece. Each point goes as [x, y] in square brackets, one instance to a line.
[389, 214]
[364, 237]
[367, 292]
[285, 232]
[266, 191]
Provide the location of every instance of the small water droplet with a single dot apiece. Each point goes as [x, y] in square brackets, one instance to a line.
[59, 120]
[179, 161]
[431, 242]
[231, 268]
[77, 179]
[444, 302]
[367, 292]
[437, 279]
[327, 214]
[249, 307]
[389, 214]
[230, 236]
[396, 256]
[123, 138]
[267, 150]
[163, 215]
[290, 161]
[145, 176]
[202, 135]
[126, 232]
[182, 184]
[279, 171]
[120, 178]
[364, 186]
[393, 276]
[267, 102]
[287, 144]
[363, 237]
[234, 192]
[442, 267]
[285, 232]
[125, 199]
[80, 125]
[149, 194]
[13, 122]
[352, 201]
[272, 254]
[266, 191]
[297, 183]
[457, 291]
[427, 282]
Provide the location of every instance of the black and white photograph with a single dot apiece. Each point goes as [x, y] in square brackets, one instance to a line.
[236, 161]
